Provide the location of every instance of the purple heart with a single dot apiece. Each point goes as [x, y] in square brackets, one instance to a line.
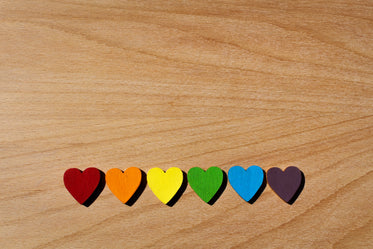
[286, 184]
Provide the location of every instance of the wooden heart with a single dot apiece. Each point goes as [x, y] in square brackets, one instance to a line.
[286, 184]
[248, 182]
[82, 185]
[205, 183]
[165, 185]
[124, 184]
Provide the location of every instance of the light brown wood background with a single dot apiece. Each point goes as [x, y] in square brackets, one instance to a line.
[186, 83]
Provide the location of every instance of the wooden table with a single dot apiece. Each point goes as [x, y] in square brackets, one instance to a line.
[115, 84]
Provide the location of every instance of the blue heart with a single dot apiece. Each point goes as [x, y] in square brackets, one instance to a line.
[246, 182]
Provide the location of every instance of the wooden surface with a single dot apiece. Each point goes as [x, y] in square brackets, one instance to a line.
[115, 84]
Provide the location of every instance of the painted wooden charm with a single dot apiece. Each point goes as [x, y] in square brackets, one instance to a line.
[165, 185]
[286, 184]
[205, 183]
[248, 182]
[124, 184]
[82, 185]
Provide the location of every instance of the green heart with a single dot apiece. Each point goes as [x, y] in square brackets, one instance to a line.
[205, 183]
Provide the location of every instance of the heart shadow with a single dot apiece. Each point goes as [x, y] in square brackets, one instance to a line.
[100, 187]
[139, 190]
[299, 190]
[260, 190]
[180, 192]
[220, 190]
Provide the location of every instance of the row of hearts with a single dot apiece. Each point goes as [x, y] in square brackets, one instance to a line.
[208, 184]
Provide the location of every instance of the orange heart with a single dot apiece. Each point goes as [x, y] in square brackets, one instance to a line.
[124, 184]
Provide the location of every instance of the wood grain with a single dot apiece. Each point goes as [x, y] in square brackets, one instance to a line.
[116, 84]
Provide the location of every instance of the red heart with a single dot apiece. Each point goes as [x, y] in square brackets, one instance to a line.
[82, 185]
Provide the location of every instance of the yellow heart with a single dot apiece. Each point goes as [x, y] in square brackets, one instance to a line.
[165, 184]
